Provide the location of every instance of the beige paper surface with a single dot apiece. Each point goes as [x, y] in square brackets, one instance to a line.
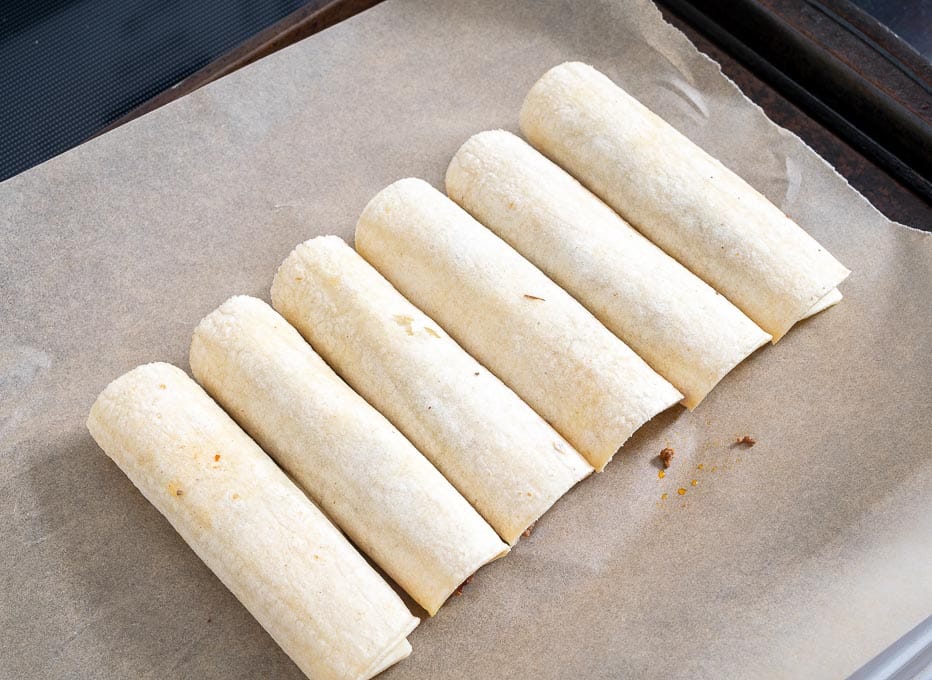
[802, 560]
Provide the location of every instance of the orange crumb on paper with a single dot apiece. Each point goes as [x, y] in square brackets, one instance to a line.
[663, 497]
[162, 386]
[666, 456]
[661, 474]
[681, 491]
[700, 466]
[216, 457]
[694, 482]
[747, 440]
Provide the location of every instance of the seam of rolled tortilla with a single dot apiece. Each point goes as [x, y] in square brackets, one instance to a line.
[503, 457]
[499, 307]
[680, 197]
[687, 332]
[260, 535]
[394, 505]
[400, 652]
[832, 298]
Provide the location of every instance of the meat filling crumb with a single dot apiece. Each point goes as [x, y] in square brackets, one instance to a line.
[459, 590]
[666, 457]
[747, 440]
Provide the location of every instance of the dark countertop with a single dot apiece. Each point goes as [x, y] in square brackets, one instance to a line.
[885, 191]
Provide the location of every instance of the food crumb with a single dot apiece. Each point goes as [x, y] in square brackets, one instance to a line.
[162, 386]
[476, 373]
[178, 492]
[216, 457]
[663, 497]
[459, 590]
[534, 297]
[694, 482]
[666, 456]
[747, 440]
[208, 619]
[661, 474]
[700, 466]
[681, 491]
[527, 532]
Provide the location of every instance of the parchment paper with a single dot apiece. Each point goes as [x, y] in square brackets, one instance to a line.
[801, 557]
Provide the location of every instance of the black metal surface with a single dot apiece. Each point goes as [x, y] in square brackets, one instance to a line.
[70, 67]
[911, 20]
[853, 97]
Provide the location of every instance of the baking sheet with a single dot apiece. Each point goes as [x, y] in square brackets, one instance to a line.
[801, 557]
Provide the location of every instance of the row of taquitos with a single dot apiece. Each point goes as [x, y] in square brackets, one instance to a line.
[271, 546]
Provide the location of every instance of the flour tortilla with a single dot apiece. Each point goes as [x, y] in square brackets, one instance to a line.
[687, 332]
[504, 311]
[832, 298]
[279, 555]
[502, 456]
[680, 197]
[362, 472]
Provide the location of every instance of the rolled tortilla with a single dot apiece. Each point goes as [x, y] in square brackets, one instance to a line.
[362, 472]
[502, 456]
[678, 196]
[833, 297]
[279, 555]
[687, 332]
[505, 312]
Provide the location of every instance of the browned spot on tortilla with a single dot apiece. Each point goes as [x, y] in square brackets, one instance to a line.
[405, 322]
